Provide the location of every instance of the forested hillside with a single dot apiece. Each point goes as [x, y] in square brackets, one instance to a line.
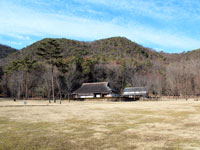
[117, 60]
[5, 51]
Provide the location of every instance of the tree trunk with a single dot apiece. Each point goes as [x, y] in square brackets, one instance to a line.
[49, 95]
[68, 97]
[26, 85]
[18, 92]
[52, 82]
[59, 89]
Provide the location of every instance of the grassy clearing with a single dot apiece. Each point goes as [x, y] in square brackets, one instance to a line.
[168, 125]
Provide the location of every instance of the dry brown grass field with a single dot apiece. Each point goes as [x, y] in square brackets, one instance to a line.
[141, 125]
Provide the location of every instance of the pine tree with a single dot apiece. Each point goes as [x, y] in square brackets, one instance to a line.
[50, 51]
[27, 65]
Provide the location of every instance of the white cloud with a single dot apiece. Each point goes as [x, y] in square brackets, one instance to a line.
[160, 9]
[19, 36]
[21, 23]
[13, 43]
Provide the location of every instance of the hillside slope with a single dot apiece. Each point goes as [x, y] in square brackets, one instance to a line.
[5, 51]
[107, 50]
[117, 60]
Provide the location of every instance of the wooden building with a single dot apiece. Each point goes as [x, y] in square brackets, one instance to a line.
[135, 92]
[95, 90]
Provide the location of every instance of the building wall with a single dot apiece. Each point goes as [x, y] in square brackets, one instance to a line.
[86, 96]
[95, 95]
[112, 95]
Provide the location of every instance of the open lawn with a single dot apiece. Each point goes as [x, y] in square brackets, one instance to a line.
[166, 125]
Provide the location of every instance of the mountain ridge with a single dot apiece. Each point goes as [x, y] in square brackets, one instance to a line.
[6, 50]
[107, 50]
[94, 44]
[111, 49]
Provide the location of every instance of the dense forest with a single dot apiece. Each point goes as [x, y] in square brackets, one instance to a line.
[59, 66]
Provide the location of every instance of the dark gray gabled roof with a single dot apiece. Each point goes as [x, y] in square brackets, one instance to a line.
[96, 87]
[135, 89]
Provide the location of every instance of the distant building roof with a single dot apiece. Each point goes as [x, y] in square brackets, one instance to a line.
[96, 87]
[135, 91]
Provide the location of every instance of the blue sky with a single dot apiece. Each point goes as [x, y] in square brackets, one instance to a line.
[168, 25]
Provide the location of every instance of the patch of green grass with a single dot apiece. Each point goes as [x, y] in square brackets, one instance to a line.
[49, 136]
[21, 135]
